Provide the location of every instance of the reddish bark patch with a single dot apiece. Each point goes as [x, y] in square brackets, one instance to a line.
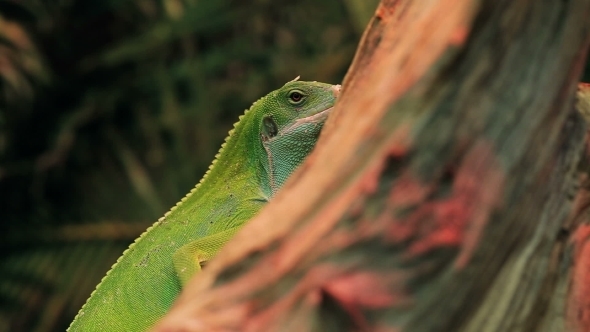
[354, 291]
[578, 311]
[271, 317]
[408, 190]
[370, 180]
[364, 290]
[456, 220]
[459, 36]
[400, 141]
[386, 9]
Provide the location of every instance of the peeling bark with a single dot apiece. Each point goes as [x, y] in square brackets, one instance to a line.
[439, 197]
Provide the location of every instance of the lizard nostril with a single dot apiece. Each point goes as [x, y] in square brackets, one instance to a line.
[335, 90]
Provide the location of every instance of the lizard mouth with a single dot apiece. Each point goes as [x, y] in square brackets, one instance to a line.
[315, 118]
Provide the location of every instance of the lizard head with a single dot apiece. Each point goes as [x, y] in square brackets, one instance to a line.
[290, 126]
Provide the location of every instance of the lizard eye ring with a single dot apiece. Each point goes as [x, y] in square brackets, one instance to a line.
[296, 97]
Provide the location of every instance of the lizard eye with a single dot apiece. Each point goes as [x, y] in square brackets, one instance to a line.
[296, 97]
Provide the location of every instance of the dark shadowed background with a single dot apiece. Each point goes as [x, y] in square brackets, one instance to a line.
[112, 110]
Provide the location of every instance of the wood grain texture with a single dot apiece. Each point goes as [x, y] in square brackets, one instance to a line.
[440, 193]
[569, 307]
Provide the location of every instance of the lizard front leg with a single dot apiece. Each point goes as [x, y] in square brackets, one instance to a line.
[190, 258]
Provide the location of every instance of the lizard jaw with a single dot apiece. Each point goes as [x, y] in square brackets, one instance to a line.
[315, 118]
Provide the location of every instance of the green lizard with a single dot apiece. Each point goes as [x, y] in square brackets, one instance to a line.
[266, 145]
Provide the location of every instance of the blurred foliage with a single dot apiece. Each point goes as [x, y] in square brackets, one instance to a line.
[110, 111]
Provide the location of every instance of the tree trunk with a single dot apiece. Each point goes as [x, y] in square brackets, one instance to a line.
[441, 194]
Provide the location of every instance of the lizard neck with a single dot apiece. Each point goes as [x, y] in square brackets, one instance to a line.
[235, 169]
[231, 192]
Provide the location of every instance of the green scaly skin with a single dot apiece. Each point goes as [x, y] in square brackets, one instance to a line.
[267, 144]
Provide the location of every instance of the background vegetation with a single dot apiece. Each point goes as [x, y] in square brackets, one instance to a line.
[110, 111]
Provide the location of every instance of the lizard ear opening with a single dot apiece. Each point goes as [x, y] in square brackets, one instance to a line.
[269, 128]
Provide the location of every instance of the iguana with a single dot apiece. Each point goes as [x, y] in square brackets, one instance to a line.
[265, 146]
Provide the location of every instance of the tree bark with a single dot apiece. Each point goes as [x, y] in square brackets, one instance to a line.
[441, 194]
